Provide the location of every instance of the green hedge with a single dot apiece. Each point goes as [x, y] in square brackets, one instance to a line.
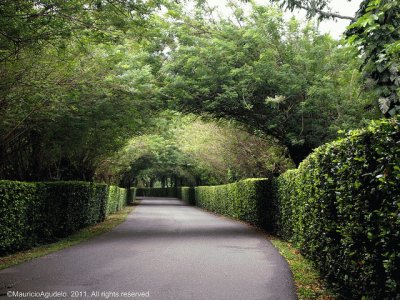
[157, 192]
[131, 195]
[117, 199]
[342, 207]
[20, 214]
[36, 213]
[249, 200]
[187, 194]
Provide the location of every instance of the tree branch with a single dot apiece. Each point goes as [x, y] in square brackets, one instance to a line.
[325, 14]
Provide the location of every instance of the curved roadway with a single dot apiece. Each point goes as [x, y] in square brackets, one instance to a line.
[164, 250]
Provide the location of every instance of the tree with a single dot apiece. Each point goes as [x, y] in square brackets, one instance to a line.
[188, 149]
[273, 76]
[76, 82]
[376, 33]
[314, 8]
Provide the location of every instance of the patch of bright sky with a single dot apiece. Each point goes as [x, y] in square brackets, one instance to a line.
[334, 27]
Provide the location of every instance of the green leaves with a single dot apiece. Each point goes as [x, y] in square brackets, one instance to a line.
[38, 213]
[342, 206]
[191, 148]
[229, 71]
[376, 33]
[248, 200]
[77, 79]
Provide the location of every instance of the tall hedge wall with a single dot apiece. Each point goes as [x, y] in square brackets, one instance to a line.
[187, 194]
[131, 195]
[249, 200]
[117, 199]
[342, 207]
[35, 213]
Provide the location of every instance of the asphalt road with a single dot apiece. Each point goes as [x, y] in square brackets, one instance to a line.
[164, 250]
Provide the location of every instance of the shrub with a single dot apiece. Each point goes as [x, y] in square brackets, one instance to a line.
[117, 199]
[342, 206]
[35, 213]
[187, 194]
[248, 200]
[19, 213]
[131, 195]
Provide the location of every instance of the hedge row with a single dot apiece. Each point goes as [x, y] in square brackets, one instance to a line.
[187, 194]
[342, 207]
[131, 196]
[35, 213]
[248, 200]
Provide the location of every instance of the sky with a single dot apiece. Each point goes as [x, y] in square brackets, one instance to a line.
[334, 27]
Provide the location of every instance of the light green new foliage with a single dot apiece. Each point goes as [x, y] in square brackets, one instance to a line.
[249, 200]
[117, 199]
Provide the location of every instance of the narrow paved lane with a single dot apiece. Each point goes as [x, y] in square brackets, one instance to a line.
[165, 250]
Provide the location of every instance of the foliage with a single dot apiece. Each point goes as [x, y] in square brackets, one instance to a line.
[376, 33]
[187, 194]
[40, 23]
[131, 195]
[36, 213]
[19, 215]
[184, 149]
[249, 200]
[275, 77]
[306, 277]
[314, 8]
[117, 199]
[75, 82]
[342, 207]
[71, 240]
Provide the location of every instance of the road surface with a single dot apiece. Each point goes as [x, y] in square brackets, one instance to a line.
[164, 250]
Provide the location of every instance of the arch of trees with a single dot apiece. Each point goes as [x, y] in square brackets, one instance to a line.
[131, 91]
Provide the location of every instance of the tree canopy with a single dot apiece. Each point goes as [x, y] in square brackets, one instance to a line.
[271, 75]
[375, 31]
[194, 150]
[145, 91]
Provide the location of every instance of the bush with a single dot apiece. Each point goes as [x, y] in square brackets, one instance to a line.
[131, 195]
[248, 200]
[36, 213]
[117, 199]
[342, 207]
[20, 212]
[187, 194]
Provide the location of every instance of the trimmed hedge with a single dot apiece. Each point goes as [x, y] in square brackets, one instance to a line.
[342, 207]
[157, 192]
[35, 213]
[249, 200]
[117, 199]
[131, 195]
[187, 194]
[20, 214]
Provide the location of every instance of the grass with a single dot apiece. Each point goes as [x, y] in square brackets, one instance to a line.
[76, 238]
[307, 280]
